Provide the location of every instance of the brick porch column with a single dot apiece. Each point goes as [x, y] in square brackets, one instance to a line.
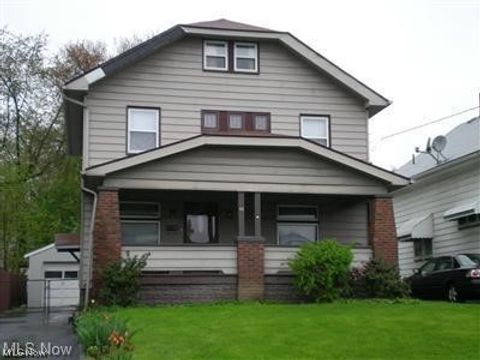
[381, 230]
[250, 254]
[250, 268]
[106, 234]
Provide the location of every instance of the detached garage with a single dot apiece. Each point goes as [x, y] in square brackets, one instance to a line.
[52, 276]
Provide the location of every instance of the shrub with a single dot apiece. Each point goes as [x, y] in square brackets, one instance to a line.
[321, 269]
[376, 280]
[104, 336]
[120, 281]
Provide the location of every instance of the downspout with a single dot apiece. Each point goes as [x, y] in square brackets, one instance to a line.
[94, 208]
[90, 248]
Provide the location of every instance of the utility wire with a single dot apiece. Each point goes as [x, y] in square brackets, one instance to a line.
[429, 123]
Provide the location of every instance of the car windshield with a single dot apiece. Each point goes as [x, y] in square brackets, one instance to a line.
[469, 260]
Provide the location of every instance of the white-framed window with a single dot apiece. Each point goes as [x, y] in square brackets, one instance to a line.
[245, 57]
[140, 223]
[142, 129]
[215, 55]
[296, 224]
[210, 120]
[316, 128]
[235, 121]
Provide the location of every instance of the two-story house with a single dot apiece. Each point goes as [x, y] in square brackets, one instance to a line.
[219, 148]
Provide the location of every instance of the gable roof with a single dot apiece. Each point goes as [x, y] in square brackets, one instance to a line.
[38, 251]
[104, 169]
[461, 141]
[228, 29]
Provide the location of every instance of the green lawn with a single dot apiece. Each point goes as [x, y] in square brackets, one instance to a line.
[358, 330]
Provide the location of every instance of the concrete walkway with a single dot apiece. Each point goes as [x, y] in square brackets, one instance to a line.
[35, 330]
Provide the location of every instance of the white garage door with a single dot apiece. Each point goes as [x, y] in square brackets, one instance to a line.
[62, 284]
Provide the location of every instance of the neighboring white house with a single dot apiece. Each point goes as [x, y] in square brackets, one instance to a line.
[53, 274]
[439, 214]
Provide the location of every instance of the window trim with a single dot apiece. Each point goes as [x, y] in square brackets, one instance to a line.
[143, 221]
[126, 217]
[227, 57]
[128, 127]
[328, 121]
[242, 115]
[207, 129]
[237, 70]
[297, 222]
[423, 256]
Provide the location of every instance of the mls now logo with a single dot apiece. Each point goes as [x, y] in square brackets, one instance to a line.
[30, 349]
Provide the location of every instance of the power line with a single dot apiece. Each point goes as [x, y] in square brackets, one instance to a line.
[429, 123]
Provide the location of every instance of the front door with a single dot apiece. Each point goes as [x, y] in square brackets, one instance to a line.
[201, 223]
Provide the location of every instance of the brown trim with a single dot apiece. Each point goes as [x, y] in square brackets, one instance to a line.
[209, 129]
[127, 135]
[231, 57]
[248, 122]
[329, 127]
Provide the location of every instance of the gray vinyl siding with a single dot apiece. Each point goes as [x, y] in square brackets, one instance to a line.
[173, 80]
[230, 168]
[85, 243]
[331, 209]
[434, 195]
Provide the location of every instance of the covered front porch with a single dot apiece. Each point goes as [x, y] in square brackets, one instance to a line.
[237, 209]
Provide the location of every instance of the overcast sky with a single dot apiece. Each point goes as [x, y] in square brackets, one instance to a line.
[424, 55]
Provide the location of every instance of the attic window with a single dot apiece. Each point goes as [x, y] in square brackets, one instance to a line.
[215, 55]
[238, 122]
[246, 57]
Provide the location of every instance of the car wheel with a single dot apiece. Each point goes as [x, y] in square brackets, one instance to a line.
[453, 294]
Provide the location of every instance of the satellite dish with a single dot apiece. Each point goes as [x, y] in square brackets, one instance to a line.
[439, 143]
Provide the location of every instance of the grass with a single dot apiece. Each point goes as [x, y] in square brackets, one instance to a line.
[353, 330]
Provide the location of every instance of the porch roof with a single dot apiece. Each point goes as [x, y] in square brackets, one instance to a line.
[388, 178]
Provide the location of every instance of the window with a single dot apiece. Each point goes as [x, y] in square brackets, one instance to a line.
[235, 121]
[469, 221]
[145, 233]
[143, 129]
[260, 122]
[71, 274]
[224, 121]
[315, 128]
[245, 57]
[140, 223]
[215, 55]
[422, 249]
[296, 225]
[53, 274]
[210, 120]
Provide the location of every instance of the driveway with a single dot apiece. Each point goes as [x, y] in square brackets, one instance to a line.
[33, 330]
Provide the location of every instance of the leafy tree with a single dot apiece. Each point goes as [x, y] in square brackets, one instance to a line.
[39, 183]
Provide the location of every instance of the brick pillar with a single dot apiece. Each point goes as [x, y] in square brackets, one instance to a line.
[250, 267]
[381, 230]
[106, 234]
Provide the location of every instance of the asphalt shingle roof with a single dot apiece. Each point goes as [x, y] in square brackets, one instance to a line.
[462, 140]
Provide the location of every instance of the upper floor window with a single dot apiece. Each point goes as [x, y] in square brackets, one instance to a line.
[235, 121]
[230, 56]
[142, 129]
[316, 128]
[245, 57]
[215, 55]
